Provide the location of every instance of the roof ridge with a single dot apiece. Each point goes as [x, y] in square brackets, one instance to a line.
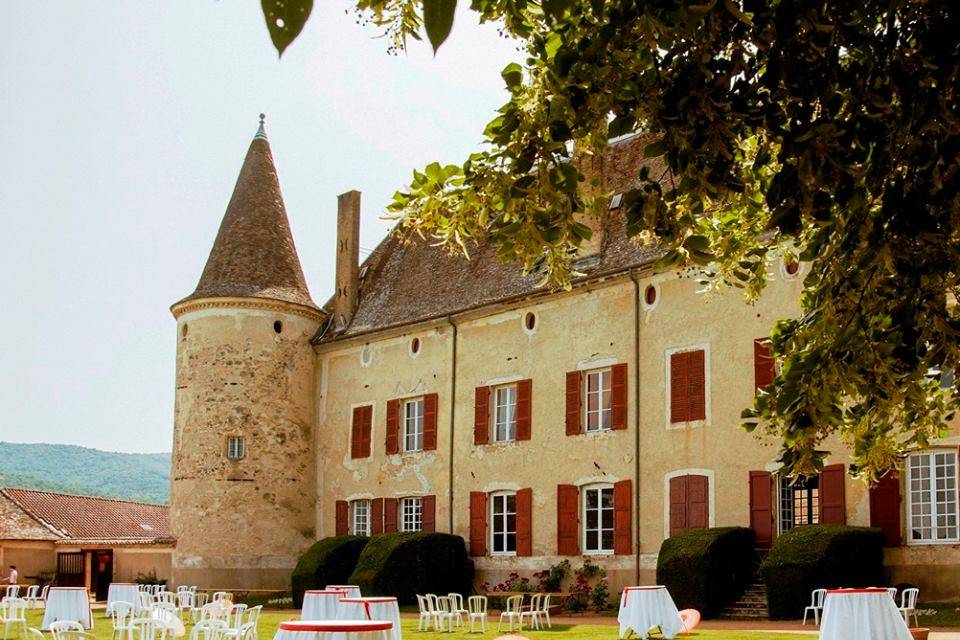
[86, 497]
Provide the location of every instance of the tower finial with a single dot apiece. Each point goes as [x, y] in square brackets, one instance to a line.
[261, 132]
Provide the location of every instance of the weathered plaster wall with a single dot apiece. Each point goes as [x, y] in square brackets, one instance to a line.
[130, 562]
[373, 374]
[30, 557]
[243, 523]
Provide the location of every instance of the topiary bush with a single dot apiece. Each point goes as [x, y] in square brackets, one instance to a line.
[328, 561]
[405, 564]
[705, 569]
[823, 556]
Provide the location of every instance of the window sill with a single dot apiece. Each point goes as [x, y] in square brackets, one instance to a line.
[503, 554]
[598, 553]
[693, 424]
[932, 543]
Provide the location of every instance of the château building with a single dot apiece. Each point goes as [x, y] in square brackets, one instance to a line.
[432, 392]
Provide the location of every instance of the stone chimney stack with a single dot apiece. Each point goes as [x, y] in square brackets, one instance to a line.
[348, 257]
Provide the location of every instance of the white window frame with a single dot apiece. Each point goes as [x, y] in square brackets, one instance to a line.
[930, 455]
[360, 515]
[601, 412]
[411, 514]
[416, 420]
[236, 447]
[780, 503]
[705, 347]
[504, 531]
[600, 488]
[510, 425]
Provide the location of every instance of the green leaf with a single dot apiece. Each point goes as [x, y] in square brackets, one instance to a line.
[655, 149]
[555, 8]
[512, 75]
[285, 20]
[438, 20]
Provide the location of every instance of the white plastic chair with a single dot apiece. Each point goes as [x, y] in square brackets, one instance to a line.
[893, 593]
[253, 620]
[545, 610]
[43, 595]
[32, 597]
[456, 603]
[426, 615]
[13, 591]
[167, 597]
[221, 595]
[532, 611]
[145, 605]
[121, 615]
[185, 600]
[213, 611]
[149, 629]
[13, 613]
[235, 622]
[512, 612]
[446, 614]
[816, 605]
[199, 602]
[908, 605]
[477, 610]
[208, 630]
[69, 630]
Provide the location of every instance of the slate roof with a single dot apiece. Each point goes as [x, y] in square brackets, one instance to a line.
[254, 254]
[407, 280]
[72, 518]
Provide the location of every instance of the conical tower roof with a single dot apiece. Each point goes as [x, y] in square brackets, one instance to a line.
[254, 255]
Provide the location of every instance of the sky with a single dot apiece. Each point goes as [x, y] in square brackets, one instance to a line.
[123, 126]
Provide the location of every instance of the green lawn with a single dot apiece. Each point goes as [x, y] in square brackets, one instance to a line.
[271, 619]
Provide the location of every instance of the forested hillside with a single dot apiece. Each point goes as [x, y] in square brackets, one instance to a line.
[70, 469]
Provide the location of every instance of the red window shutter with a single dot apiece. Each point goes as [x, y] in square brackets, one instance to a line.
[428, 509]
[365, 447]
[390, 514]
[764, 366]
[524, 404]
[478, 523]
[832, 495]
[618, 396]
[376, 516]
[761, 507]
[697, 394]
[623, 517]
[679, 403]
[698, 505]
[885, 508]
[568, 526]
[355, 433]
[430, 422]
[524, 507]
[574, 402]
[343, 511]
[393, 427]
[678, 505]
[481, 416]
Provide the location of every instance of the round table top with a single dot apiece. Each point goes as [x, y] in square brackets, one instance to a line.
[68, 588]
[361, 600]
[649, 588]
[336, 625]
[844, 592]
[326, 592]
[339, 587]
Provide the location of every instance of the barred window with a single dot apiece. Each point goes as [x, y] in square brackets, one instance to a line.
[236, 448]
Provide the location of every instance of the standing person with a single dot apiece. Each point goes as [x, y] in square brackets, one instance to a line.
[14, 576]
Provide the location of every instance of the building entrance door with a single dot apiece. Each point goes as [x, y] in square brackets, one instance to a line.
[70, 569]
[101, 573]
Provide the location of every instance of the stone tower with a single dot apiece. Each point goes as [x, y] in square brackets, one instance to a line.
[243, 485]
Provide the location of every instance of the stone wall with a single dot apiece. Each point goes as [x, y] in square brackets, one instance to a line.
[242, 370]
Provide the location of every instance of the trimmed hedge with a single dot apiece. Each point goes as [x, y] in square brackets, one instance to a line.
[823, 556]
[405, 564]
[328, 561]
[705, 569]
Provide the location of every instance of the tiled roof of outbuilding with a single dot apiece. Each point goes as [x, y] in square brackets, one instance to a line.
[254, 255]
[90, 519]
[408, 279]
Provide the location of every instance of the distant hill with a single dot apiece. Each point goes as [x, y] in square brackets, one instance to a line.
[144, 477]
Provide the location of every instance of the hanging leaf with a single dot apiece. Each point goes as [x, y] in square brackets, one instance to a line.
[285, 20]
[438, 20]
[512, 75]
[555, 8]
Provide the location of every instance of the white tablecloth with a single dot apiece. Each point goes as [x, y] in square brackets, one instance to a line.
[122, 592]
[67, 603]
[373, 608]
[862, 614]
[643, 608]
[333, 630]
[322, 605]
[353, 591]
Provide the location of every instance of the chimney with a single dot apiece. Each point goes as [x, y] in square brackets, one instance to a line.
[348, 258]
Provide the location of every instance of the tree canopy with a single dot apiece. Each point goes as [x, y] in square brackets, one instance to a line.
[828, 131]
